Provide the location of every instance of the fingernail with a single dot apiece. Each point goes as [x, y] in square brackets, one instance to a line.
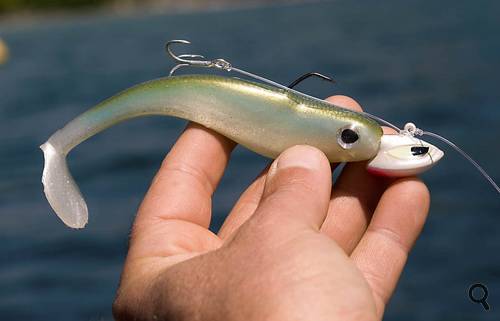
[300, 156]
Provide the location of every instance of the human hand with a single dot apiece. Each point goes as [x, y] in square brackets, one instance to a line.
[291, 249]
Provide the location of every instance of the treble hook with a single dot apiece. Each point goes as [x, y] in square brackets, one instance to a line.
[184, 62]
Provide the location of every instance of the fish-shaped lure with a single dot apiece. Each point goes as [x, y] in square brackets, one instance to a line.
[263, 118]
[266, 119]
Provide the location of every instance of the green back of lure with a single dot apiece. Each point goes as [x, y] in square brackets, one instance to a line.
[262, 118]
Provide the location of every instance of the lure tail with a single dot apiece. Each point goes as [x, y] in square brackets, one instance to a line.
[60, 188]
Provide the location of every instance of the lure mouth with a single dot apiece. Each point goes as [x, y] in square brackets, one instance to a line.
[403, 155]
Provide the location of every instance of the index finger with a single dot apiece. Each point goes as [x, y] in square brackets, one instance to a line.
[182, 189]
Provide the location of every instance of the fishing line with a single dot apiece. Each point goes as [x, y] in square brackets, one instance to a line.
[466, 156]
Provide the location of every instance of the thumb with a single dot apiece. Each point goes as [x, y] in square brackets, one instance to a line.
[297, 189]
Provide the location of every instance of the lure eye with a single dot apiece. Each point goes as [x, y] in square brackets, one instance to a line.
[419, 150]
[347, 137]
[409, 152]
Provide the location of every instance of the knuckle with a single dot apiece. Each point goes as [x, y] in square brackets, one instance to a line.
[391, 236]
[183, 169]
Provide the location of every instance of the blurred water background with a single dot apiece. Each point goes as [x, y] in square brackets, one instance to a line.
[436, 63]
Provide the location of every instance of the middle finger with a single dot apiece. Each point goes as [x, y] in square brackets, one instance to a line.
[354, 198]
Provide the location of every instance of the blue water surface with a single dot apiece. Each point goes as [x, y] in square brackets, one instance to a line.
[436, 63]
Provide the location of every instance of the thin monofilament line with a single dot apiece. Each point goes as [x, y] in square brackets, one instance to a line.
[464, 154]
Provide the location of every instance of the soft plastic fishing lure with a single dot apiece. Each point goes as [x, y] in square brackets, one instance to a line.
[265, 118]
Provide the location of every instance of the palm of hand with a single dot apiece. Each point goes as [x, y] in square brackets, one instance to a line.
[290, 249]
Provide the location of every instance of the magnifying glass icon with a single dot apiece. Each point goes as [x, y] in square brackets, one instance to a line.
[482, 290]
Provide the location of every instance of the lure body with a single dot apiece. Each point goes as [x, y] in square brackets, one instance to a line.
[263, 118]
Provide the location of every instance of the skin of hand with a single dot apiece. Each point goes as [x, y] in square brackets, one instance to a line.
[294, 247]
